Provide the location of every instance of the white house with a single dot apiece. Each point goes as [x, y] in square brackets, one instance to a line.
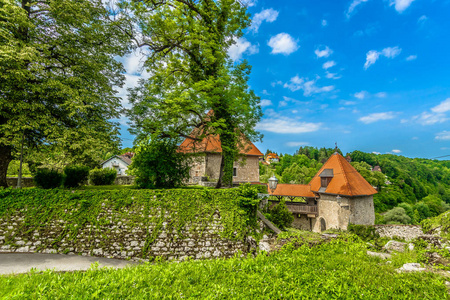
[119, 162]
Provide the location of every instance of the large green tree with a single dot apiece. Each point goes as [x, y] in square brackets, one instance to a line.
[191, 74]
[57, 72]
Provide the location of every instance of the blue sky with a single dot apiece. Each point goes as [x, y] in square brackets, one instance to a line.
[371, 75]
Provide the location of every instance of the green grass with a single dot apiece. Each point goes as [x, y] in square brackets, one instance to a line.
[336, 270]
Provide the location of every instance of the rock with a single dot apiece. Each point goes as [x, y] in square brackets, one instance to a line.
[264, 246]
[394, 246]
[431, 240]
[251, 242]
[411, 267]
[411, 246]
[328, 236]
[435, 258]
[380, 255]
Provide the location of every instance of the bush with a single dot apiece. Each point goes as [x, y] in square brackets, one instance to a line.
[75, 175]
[280, 215]
[158, 164]
[102, 176]
[366, 232]
[48, 179]
[396, 215]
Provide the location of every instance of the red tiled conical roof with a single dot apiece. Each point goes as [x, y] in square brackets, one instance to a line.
[345, 179]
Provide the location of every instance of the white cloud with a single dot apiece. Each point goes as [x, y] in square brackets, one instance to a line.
[443, 107]
[374, 152]
[401, 5]
[411, 57]
[345, 102]
[332, 75]
[250, 3]
[265, 102]
[353, 5]
[287, 125]
[283, 43]
[296, 144]
[324, 23]
[375, 117]
[427, 118]
[323, 106]
[396, 151]
[329, 64]
[391, 52]
[436, 115]
[361, 95]
[443, 136]
[373, 55]
[422, 19]
[308, 86]
[282, 103]
[381, 95]
[415, 138]
[240, 47]
[268, 15]
[323, 52]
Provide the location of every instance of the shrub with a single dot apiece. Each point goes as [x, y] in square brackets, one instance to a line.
[158, 164]
[280, 215]
[48, 179]
[396, 215]
[366, 232]
[102, 176]
[75, 175]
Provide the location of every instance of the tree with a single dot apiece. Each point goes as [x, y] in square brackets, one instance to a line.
[57, 72]
[158, 164]
[397, 215]
[191, 74]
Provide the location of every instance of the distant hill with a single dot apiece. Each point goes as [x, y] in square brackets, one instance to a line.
[421, 187]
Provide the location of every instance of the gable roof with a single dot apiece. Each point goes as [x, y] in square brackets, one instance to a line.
[123, 158]
[345, 179]
[292, 190]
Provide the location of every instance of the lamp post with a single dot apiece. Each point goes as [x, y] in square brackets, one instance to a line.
[273, 182]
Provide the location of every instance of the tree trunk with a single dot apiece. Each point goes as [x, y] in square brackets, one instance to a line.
[228, 143]
[5, 159]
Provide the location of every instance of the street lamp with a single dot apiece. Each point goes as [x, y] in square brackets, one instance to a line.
[273, 182]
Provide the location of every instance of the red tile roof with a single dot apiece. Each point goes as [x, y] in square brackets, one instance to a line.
[345, 181]
[292, 190]
[212, 144]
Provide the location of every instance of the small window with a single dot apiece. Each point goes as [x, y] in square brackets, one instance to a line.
[324, 181]
[234, 172]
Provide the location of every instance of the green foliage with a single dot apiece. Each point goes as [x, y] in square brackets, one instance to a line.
[59, 72]
[104, 176]
[336, 270]
[248, 201]
[193, 73]
[75, 175]
[158, 164]
[366, 232]
[280, 215]
[442, 221]
[397, 215]
[13, 169]
[131, 207]
[262, 188]
[48, 179]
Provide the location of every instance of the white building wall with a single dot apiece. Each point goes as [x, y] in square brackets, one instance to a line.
[121, 168]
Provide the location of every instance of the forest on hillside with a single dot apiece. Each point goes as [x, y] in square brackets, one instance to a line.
[409, 189]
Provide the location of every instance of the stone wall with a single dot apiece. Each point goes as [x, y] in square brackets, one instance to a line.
[124, 180]
[405, 232]
[116, 240]
[247, 170]
[362, 210]
[26, 181]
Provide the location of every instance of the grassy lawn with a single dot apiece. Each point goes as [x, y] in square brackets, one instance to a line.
[340, 269]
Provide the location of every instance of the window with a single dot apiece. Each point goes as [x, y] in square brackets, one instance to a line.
[324, 181]
[234, 172]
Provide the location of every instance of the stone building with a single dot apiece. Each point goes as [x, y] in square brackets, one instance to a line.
[336, 196]
[208, 156]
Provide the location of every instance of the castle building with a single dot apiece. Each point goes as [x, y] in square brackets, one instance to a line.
[335, 197]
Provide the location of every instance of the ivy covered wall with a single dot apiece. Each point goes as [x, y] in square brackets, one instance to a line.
[136, 224]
